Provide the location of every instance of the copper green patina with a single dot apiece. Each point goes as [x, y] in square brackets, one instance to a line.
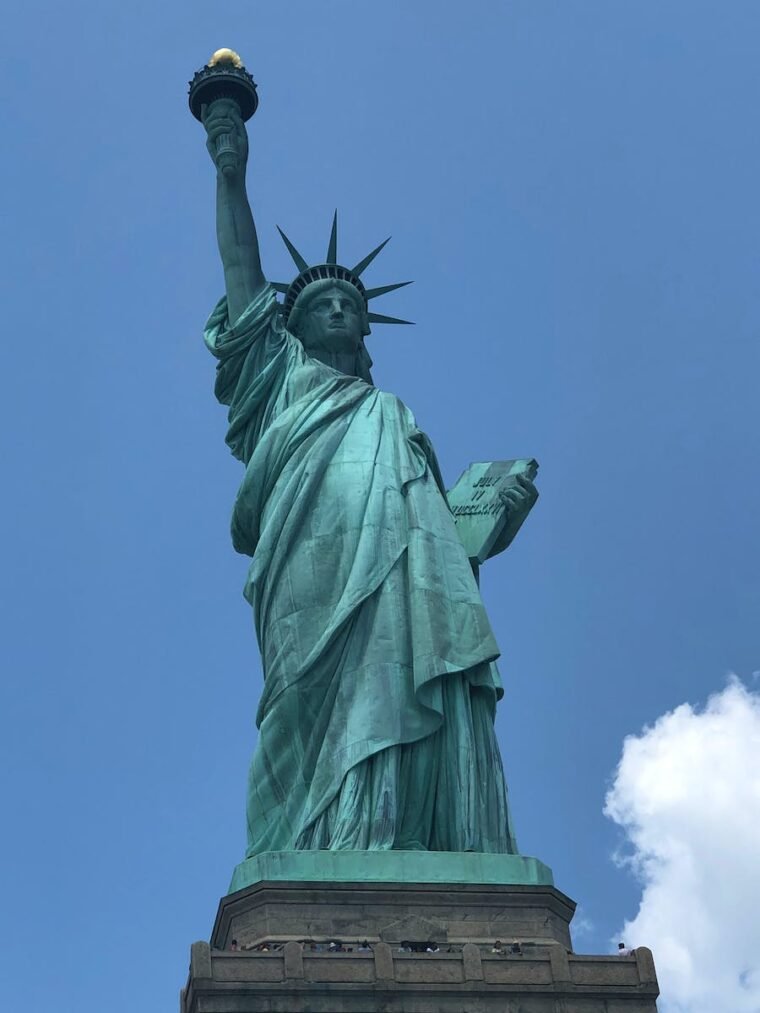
[376, 729]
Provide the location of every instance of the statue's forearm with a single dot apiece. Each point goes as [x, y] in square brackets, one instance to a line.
[238, 245]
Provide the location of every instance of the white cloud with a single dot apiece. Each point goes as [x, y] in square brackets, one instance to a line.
[687, 795]
[582, 924]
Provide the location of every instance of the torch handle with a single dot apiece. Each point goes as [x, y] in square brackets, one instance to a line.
[226, 155]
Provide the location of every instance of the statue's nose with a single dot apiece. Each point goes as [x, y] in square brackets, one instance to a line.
[337, 309]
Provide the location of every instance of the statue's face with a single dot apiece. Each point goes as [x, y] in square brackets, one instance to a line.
[332, 322]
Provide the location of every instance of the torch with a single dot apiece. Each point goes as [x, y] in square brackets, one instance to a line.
[224, 76]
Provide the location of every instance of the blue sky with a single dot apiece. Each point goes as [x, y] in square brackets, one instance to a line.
[573, 187]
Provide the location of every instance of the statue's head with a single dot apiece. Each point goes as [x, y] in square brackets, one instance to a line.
[326, 307]
[329, 317]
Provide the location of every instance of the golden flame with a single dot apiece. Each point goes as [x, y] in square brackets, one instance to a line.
[225, 56]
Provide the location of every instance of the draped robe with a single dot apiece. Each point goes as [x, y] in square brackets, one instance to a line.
[376, 719]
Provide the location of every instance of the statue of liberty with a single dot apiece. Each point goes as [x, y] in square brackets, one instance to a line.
[376, 724]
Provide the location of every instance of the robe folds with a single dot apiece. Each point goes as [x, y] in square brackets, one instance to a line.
[376, 719]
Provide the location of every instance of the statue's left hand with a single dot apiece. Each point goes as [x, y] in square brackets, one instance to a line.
[518, 498]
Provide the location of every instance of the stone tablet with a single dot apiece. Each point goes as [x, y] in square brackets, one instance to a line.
[484, 521]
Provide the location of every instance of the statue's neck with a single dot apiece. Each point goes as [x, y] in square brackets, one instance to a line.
[343, 362]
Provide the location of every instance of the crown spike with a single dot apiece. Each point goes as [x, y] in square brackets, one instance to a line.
[297, 258]
[363, 264]
[280, 286]
[379, 318]
[332, 249]
[373, 293]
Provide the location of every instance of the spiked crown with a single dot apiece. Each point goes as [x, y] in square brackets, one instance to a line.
[331, 269]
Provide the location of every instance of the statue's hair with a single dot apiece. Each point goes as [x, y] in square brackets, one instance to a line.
[307, 296]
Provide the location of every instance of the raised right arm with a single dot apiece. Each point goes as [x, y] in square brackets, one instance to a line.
[235, 228]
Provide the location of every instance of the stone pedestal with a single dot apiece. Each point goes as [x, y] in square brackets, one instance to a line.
[283, 963]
